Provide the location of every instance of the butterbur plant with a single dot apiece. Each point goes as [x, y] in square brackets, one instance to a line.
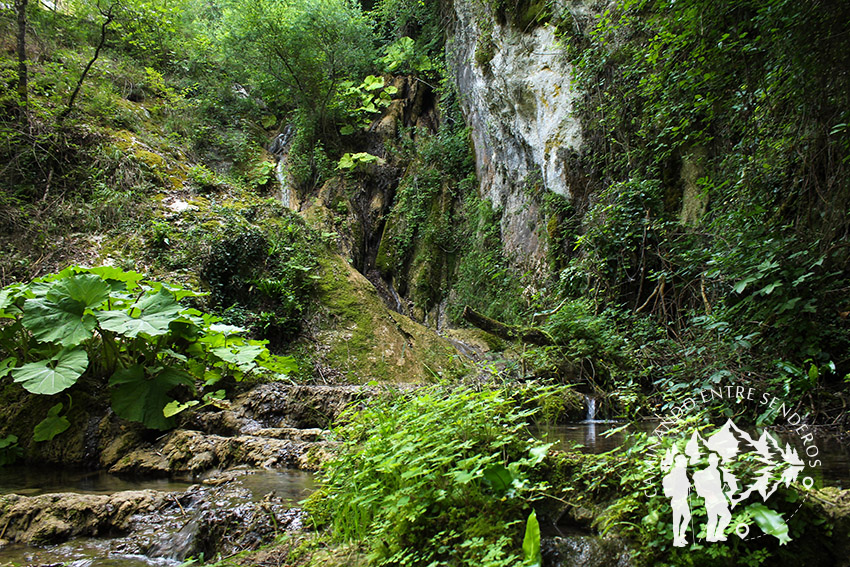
[107, 324]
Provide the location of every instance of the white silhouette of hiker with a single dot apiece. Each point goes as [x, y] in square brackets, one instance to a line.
[708, 484]
[676, 487]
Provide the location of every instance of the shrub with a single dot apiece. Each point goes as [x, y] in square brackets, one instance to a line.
[112, 325]
[435, 477]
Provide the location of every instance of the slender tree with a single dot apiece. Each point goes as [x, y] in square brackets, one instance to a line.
[21, 9]
[108, 16]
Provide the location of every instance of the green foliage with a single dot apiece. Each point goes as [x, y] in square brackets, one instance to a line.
[485, 48]
[421, 21]
[628, 481]
[770, 522]
[485, 278]
[401, 56]
[203, 178]
[748, 284]
[427, 230]
[531, 542]
[110, 324]
[434, 477]
[361, 103]
[53, 375]
[266, 275]
[626, 224]
[300, 51]
[307, 163]
[356, 162]
[589, 346]
[52, 425]
[9, 450]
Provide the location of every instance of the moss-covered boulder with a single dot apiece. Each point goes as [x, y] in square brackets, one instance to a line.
[362, 340]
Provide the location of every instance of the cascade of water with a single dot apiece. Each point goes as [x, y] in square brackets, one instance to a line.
[591, 408]
[285, 190]
[399, 306]
[280, 148]
[176, 546]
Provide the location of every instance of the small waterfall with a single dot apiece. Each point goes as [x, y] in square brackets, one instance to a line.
[591, 408]
[280, 150]
[399, 305]
[176, 546]
[285, 189]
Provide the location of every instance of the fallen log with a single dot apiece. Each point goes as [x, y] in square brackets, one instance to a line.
[508, 332]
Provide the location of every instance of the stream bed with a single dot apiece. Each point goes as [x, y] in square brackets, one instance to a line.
[237, 508]
[223, 512]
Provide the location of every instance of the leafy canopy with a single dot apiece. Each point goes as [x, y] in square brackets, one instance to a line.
[299, 50]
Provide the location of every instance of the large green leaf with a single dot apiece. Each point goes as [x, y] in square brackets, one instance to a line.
[118, 277]
[52, 425]
[60, 316]
[499, 477]
[137, 397]
[531, 542]
[151, 316]
[770, 522]
[62, 322]
[88, 289]
[241, 356]
[53, 375]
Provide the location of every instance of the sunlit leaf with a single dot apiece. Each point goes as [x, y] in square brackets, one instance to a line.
[174, 407]
[531, 555]
[88, 289]
[770, 522]
[63, 322]
[151, 316]
[53, 375]
[539, 453]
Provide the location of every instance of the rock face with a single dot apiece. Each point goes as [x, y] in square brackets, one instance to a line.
[586, 551]
[517, 99]
[271, 426]
[167, 525]
[51, 518]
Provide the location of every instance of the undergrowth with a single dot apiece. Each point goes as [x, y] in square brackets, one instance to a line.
[432, 477]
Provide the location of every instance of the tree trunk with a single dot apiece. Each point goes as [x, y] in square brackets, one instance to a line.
[507, 332]
[108, 17]
[21, 9]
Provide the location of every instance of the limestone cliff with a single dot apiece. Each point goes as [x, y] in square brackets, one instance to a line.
[514, 84]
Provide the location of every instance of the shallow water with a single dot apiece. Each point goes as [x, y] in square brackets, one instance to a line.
[291, 486]
[31, 481]
[593, 436]
[82, 552]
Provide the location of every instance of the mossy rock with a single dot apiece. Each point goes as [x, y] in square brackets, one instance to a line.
[22, 411]
[364, 340]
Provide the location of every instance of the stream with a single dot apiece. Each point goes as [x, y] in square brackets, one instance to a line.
[240, 507]
[174, 531]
